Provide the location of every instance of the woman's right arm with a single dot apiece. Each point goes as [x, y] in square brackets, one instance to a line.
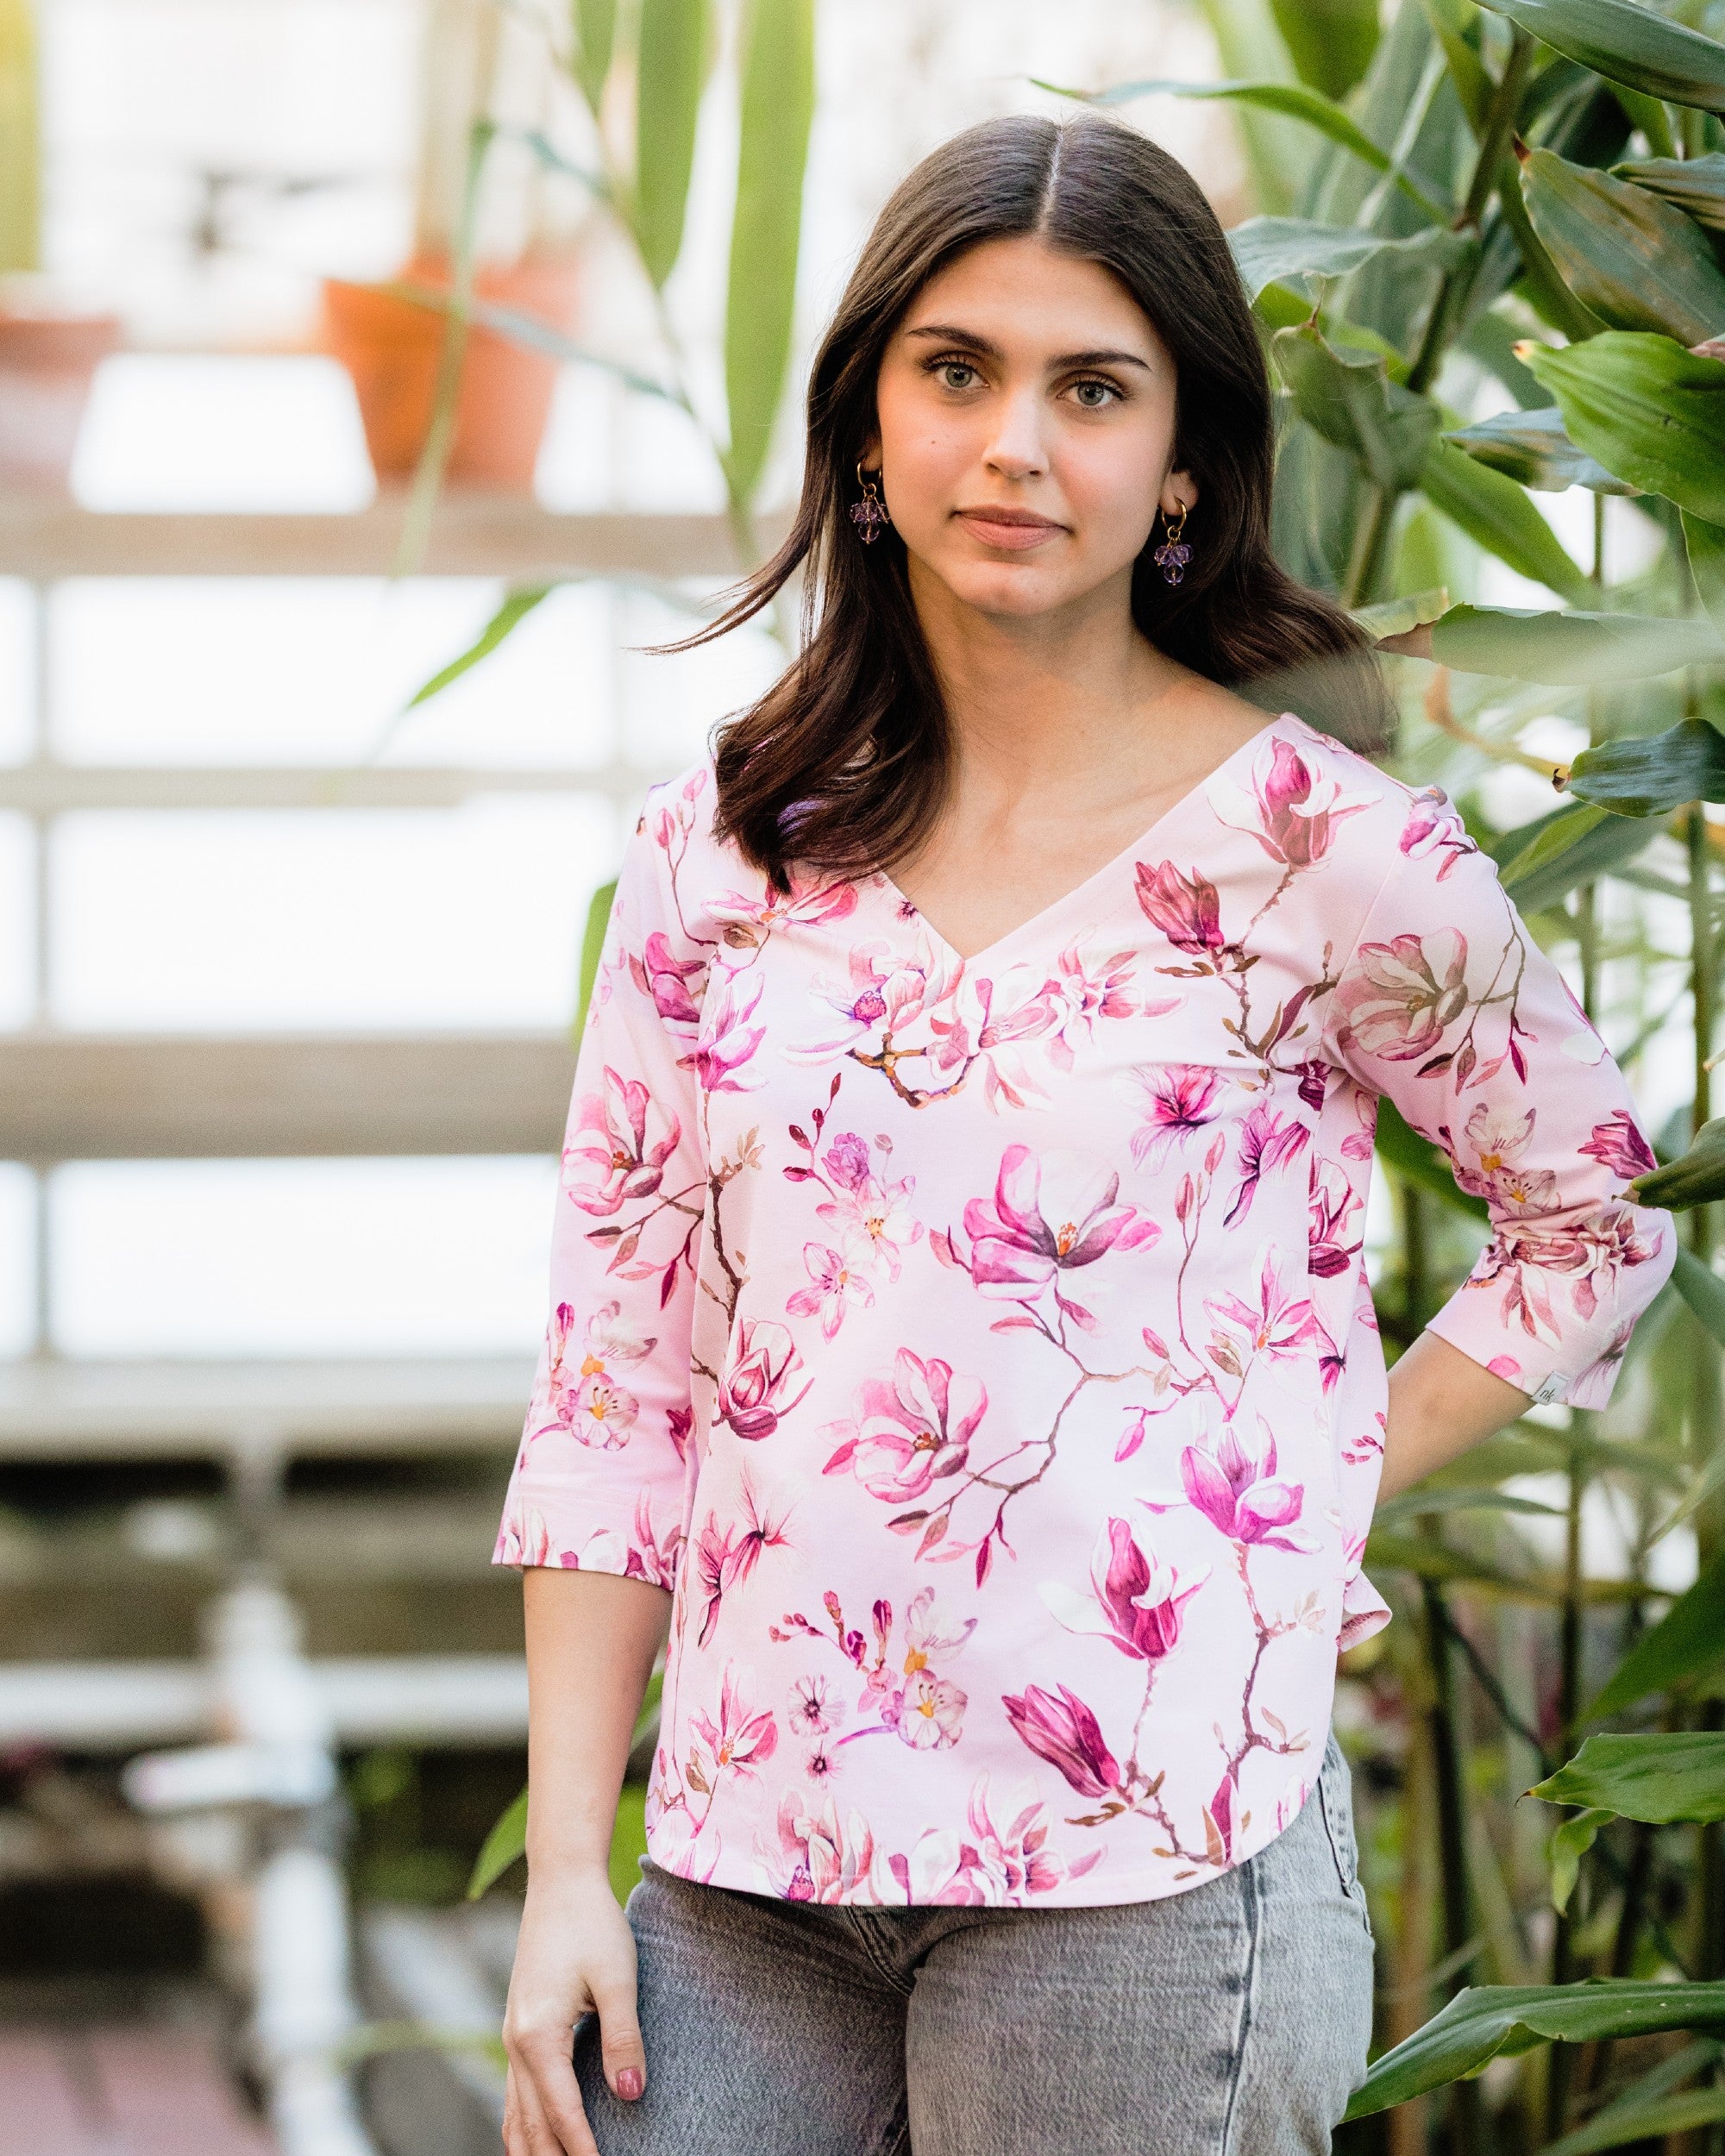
[597, 1503]
[592, 1638]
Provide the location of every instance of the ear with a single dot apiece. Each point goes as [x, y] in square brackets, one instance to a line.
[870, 456]
[1179, 491]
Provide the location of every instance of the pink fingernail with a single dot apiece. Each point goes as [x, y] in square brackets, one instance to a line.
[630, 2083]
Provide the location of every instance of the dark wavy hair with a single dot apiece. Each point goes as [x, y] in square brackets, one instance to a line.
[845, 761]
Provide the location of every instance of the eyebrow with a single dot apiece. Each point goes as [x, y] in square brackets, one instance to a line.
[949, 332]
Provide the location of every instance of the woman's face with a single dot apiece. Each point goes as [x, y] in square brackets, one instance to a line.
[1025, 424]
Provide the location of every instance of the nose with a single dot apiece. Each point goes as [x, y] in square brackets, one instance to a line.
[1018, 450]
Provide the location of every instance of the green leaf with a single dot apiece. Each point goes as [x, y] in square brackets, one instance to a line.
[1696, 1179]
[1421, 1161]
[1574, 649]
[1670, 1776]
[1483, 2023]
[1705, 544]
[1413, 1504]
[506, 1842]
[1648, 410]
[1268, 249]
[1694, 185]
[595, 25]
[1571, 848]
[778, 105]
[1293, 100]
[516, 328]
[1616, 2129]
[1353, 404]
[515, 609]
[1570, 1843]
[1701, 1289]
[1330, 42]
[1687, 1643]
[1396, 617]
[1638, 263]
[1628, 44]
[1497, 514]
[671, 70]
[1532, 448]
[1473, 86]
[1650, 774]
[592, 947]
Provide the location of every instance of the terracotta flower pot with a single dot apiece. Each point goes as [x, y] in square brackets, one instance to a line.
[391, 348]
[48, 360]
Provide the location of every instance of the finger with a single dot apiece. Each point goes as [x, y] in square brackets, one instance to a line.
[552, 2100]
[624, 2054]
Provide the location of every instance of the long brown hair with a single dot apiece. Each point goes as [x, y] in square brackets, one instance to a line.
[845, 763]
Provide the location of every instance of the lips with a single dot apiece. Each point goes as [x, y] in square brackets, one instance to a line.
[1014, 528]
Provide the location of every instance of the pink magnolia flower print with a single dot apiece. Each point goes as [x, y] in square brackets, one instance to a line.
[1023, 1242]
[1621, 1147]
[817, 1858]
[1279, 1324]
[752, 1393]
[587, 1399]
[1267, 1142]
[1180, 1099]
[1137, 1603]
[1294, 809]
[618, 1151]
[1186, 908]
[1405, 995]
[1234, 1483]
[912, 1432]
[733, 1040]
[658, 973]
[904, 1331]
[836, 1277]
[1335, 1207]
[742, 1738]
[1066, 1734]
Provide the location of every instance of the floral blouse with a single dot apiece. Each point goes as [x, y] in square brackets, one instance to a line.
[981, 1349]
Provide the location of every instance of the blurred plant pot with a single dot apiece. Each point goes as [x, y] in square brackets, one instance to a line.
[391, 348]
[47, 362]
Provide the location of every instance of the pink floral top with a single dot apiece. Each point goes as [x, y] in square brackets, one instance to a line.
[981, 1352]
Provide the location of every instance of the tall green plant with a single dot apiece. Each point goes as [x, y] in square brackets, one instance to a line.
[640, 175]
[20, 139]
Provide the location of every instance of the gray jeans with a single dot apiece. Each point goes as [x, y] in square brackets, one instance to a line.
[1232, 2020]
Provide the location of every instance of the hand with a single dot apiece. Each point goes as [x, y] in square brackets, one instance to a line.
[575, 1952]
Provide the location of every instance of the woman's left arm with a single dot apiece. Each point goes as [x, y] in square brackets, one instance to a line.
[1448, 1007]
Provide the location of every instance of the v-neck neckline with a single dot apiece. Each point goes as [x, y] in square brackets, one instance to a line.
[1080, 893]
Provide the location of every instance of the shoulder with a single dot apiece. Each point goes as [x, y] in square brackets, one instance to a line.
[1374, 822]
[703, 878]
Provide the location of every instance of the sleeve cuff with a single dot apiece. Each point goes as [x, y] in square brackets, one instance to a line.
[588, 1530]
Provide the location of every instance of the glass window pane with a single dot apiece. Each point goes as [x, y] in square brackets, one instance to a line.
[17, 1259]
[362, 920]
[17, 921]
[301, 1258]
[317, 670]
[163, 432]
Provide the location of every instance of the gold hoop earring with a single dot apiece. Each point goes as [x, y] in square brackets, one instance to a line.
[869, 515]
[1172, 555]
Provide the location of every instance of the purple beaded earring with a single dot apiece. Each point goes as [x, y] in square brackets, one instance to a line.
[869, 515]
[1172, 555]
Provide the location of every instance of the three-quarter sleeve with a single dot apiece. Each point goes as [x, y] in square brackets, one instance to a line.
[1447, 1006]
[599, 1482]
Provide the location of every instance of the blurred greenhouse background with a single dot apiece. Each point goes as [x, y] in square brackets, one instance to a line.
[377, 378]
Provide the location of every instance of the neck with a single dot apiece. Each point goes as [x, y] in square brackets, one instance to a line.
[1035, 700]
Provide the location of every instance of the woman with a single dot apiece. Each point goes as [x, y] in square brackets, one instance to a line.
[962, 1350]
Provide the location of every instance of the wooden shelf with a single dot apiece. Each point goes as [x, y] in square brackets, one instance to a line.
[71, 1096]
[370, 1407]
[44, 537]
